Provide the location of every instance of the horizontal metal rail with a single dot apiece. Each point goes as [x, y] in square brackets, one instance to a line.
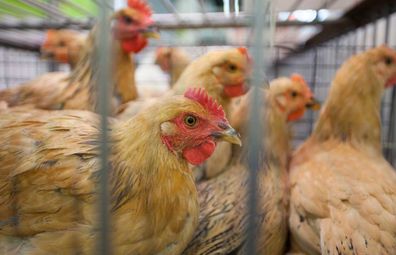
[166, 21]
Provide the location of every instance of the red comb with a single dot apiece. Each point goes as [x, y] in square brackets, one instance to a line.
[201, 96]
[245, 52]
[141, 6]
[297, 78]
[300, 79]
[48, 38]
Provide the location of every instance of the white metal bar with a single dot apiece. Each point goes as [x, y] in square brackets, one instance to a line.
[172, 9]
[103, 67]
[168, 21]
[203, 10]
[261, 19]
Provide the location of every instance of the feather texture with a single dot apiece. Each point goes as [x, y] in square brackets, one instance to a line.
[343, 192]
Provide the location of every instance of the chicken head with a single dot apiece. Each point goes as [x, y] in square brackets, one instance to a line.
[63, 45]
[231, 71]
[193, 132]
[133, 26]
[163, 58]
[293, 96]
[383, 60]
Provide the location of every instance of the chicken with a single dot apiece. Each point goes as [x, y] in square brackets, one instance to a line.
[63, 46]
[223, 208]
[78, 90]
[172, 61]
[222, 73]
[343, 192]
[48, 189]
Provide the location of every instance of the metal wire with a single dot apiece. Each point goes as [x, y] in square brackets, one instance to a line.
[260, 32]
[171, 8]
[103, 81]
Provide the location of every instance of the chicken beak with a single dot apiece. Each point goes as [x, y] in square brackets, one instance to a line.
[313, 104]
[228, 135]
[151, 32]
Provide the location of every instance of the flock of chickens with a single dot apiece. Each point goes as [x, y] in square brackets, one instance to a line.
[178, 174]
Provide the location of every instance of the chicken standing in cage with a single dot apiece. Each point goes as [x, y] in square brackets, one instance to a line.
[223, 212]
[343, 191]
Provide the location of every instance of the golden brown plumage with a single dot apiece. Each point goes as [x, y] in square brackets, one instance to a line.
[64, 46]
[222, 73]
[49, 164]
[343, 192]
[77, 90]
[172, 61]
[223, 200]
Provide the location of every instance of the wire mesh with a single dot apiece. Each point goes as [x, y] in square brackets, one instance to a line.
[319, 65]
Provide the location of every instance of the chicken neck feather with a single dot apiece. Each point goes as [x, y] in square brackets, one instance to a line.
[352, 110]
[82, 79]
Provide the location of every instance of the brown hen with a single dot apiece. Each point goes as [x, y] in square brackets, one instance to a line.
[223, 200]
[49, 166]
[343, 192]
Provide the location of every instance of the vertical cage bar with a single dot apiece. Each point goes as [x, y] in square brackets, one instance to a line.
[391, 147]
[365, 34]
[313, 84]
[374, 39]
[276, 67]
[260, 31]
[386, 137]
[103, 80]
[5, 69]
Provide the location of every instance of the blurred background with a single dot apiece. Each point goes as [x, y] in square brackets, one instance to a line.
[310, 37]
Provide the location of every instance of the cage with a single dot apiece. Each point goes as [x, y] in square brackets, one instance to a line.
[312, 38]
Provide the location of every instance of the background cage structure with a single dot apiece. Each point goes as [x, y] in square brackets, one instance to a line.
[317, 62]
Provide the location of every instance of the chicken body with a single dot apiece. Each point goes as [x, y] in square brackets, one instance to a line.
[343, 192]
[172, 61]
[223, 199]
[78, 90]
[48, 189]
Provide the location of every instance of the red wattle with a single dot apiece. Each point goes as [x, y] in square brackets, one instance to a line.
[134, 45]
[198, 154]
[296, 115]
[234, 90]
[391, 82]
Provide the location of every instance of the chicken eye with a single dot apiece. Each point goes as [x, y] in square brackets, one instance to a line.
[388, 61]
[190, 120]
[232, 68]
[294, 94]
[128, 20]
